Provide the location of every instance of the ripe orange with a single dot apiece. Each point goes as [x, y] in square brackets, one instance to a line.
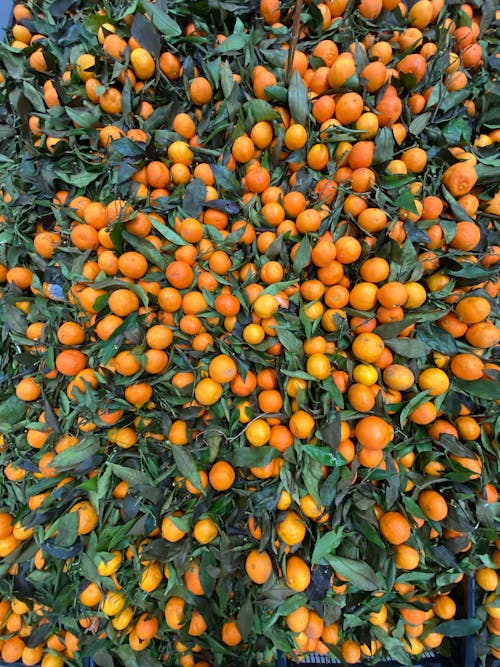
[373, 432]
[231, 635]
[291, 529]
[434, 380]
[394, 527]
[298, 574]
[433, 504]
[258, 566]
[221, 475]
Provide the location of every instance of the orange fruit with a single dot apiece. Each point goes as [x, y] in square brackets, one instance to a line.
[231, 635]
[373, 432]
[434, 380]
[258, 566]
[298, 573]
[291, 529]
[433, 504]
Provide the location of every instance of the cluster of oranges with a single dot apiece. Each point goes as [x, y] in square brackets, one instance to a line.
[249, 281]
[487, 579]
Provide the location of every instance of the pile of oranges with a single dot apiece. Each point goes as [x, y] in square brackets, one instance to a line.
[248, 288]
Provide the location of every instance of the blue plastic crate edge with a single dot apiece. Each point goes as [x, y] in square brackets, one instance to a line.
[430, 660]
[6, 7]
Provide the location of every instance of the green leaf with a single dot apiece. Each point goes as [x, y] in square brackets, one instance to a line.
[34, 96]
[488, 389]
[84, 117]
[257, 110]
[407, 201]
[233, 43]
[462, 628]
[289, 340]
[146, 248]
[166, 25]
[80, 180]
[392, 645]
[12, 410]
[103, 658]
[457, 131]
[418, 124]
[144, 32]
[322, 454]
[326, 545]
[225, 179]
[67, 527]
[253, 456]
[453, 99]
[470, 271]
[277, 93]
[194, 198]
[132, 476]
[298, 101]
[70, 458]
[186, 465]
[384, 145]
[394, 181]
[357, 572]
[408, 347]
[245, 617]
[302, 256]
[437, 338]
[167, 232]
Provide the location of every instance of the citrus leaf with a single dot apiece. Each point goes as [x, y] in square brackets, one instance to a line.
[384, 145]
[225, 178]
[393, 646]
[186, 465]
[235, 42]
[461, 628]
[408, 347]
[67, 530]
[302, 256]
[85, 117]
[298, 101]
[289, 340]
[437, 338]
[167, 232]
[326, 545]
[71, 457]
[321, 582]
[144, 32]
[253, 456]
[245, 618]
[12, 410]
[62, 553]
[406, 200]
[359, 573]
[166, 25]
[481, 388]
[322, 454]
[278, 93]
[146, 248]
[194, 198]
[257, 110]
[130, 475]
[418, 124]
